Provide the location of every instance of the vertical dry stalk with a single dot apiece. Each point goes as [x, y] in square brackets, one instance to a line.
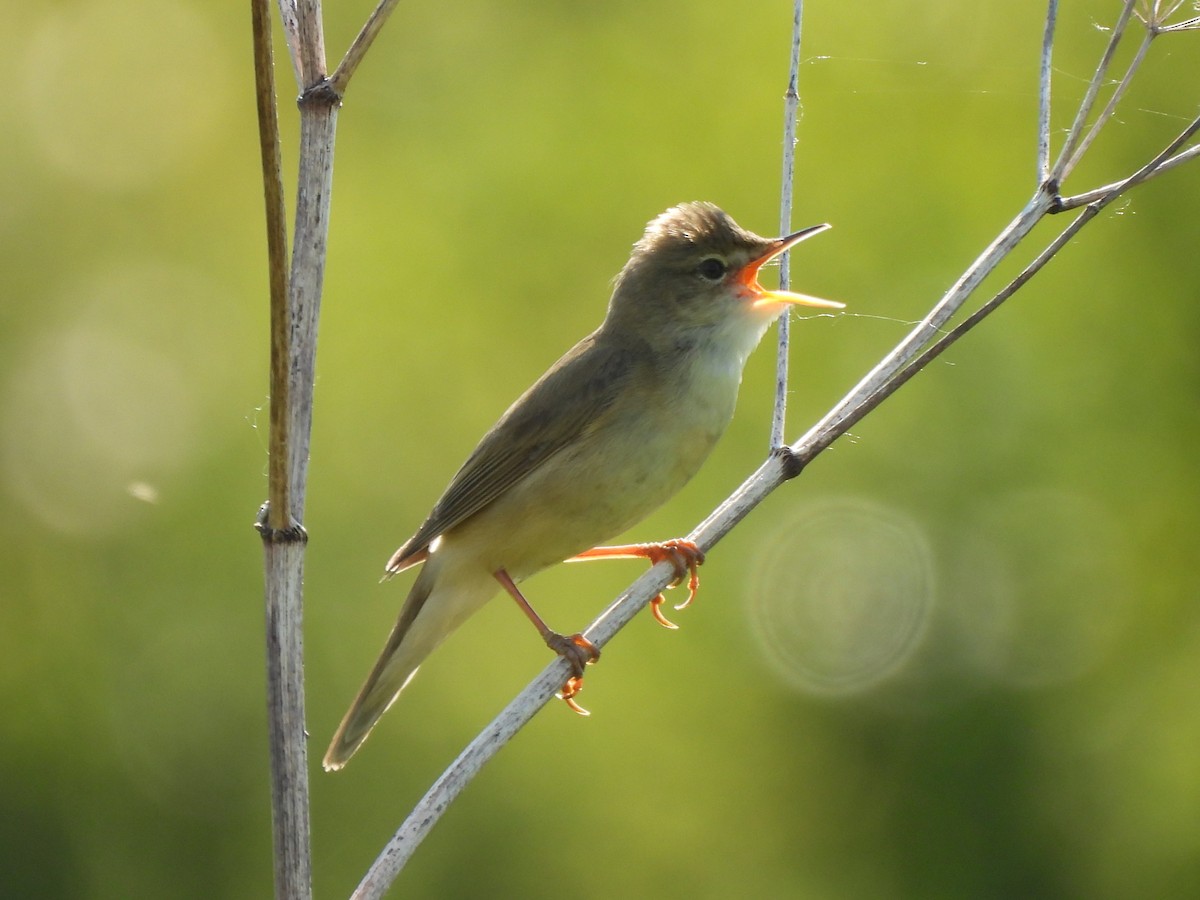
[791, 112]
[283, 538]
[295, 304]
[295, 312]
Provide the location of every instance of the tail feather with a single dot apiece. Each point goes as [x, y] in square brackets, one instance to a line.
[394, 669]
[444, 595]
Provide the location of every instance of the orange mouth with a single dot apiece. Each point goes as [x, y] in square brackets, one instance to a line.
[762, 298]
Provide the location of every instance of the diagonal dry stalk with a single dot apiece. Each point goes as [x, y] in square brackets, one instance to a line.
[927, 339]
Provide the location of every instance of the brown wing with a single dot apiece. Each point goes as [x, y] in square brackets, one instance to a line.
[573, 394]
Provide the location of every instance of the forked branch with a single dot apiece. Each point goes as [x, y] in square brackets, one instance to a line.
[295, 289]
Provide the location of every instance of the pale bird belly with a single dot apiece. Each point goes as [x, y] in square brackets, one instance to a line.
[589, 493]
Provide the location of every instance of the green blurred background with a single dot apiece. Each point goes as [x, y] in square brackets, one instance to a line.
[958, 658]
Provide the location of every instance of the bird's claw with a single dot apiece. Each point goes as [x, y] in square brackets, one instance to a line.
[570, 688]
[656, 611]
[579, 652]
[686, 558]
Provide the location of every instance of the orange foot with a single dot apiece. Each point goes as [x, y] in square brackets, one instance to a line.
[683, 555]
[575, 649]
[579, 652]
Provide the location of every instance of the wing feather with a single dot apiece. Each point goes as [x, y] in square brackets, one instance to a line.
[561, 406]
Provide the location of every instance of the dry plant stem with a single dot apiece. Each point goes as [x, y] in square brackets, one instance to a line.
[1043, 132]
[311, 34]
[1154, 18]
[791, 108]
[285, 548]
[1168, 157]
[284, 562]
[1062, 167]
[295, 312]
[950, 337]
[1192, 24]
[859, 401]
[362, 43]
[295, 305]
[268, 132]
[283, 539]
[869, 392]
[291, 34]
[874, 390]
[318, 125]
[1111, 106]
[1087, 197]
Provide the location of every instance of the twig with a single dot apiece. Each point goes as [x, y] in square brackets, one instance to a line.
[1154, 19]
[946, 340]
[888, 377]
[1062, 167]
[295, 313]
[360, 46]
[295, 307]
[847, 410]
[791, 108]
[1192, 24]
[1066, 203]
[1111, 106]
[1043, 132]
[1168, 154]
[858, 402]
[283, 540]
[312, 41]
[272, 169]
[291, 35]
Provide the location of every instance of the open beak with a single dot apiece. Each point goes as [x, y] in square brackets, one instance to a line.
[761, 297]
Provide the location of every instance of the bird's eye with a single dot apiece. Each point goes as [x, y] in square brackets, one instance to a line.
[712, 269]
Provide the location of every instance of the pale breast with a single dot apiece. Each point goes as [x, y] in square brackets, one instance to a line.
[652, 442]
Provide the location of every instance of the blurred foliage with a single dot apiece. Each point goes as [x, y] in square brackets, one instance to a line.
[978, 676]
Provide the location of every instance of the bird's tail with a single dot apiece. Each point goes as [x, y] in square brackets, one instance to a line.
[397, 664]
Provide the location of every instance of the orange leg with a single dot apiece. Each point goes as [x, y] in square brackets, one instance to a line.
[685, 556]
[575, 649]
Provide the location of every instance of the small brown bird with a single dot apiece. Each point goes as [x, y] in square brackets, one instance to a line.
[613, 429]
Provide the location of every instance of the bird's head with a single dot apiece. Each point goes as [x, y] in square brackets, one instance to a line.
[695, 268]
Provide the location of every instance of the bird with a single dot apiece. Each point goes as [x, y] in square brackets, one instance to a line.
[611, 431]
